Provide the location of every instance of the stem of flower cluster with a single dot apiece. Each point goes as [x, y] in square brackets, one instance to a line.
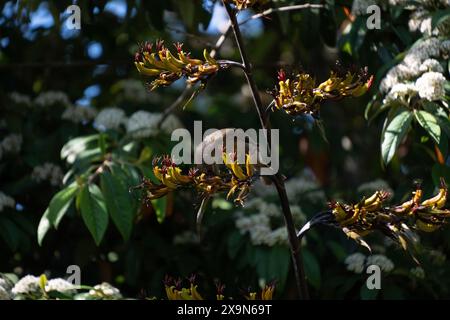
[277, 179]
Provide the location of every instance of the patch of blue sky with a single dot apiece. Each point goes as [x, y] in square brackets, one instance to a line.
[219, 22]
[92, 91]
[117, 7]
[94, 49]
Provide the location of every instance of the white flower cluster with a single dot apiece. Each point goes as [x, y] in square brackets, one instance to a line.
[409, 68]
[48, 172]
[20, 99]
[133, 91]
[105, 291]
[401, 92]
[110, 118]
[144, 124]
[28, 285]
[6, 201]
[305, 186]
[431, 86]
[10, 144]
[431, 65]
[357, 262]
[370, 187]
[79, 114]
[186, 237]
[418, 272]
[60, 285]
[421, 20]
[50, 98]
[382, 261]
[262, 226]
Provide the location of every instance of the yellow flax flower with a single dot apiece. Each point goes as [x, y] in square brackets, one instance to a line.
[300, 94]
[399, 222]
[167, 67]
[236, 180]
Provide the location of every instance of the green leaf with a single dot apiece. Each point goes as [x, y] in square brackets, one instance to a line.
[77, 145]
[93, 211]
[429, 123]
[43, 227]
[394, 134]
[118, 202]
[439, 17]
[60, 203]
[160, 208]
[312, 268]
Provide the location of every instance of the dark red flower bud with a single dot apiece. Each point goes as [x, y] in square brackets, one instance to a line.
[160, 45]
[178, 46]
[281, 75]
[137, 57]
[148, 47]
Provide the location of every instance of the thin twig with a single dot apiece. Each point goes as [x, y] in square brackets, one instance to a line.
[246, 63]
[282, 9]
[174, 105]
[292, 237]
[277, 179]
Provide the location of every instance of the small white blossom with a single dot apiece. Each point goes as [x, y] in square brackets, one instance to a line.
[79, 114]
[144, 124]
[105, 291]
[60, 285]
[382, 261]
[50, 98]
[48, 172]
[11, 143]
[6, 201]
[402, 92]
[431, 86]
[431, 65]
[110, 118]
[355, 262]
[27, 285]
